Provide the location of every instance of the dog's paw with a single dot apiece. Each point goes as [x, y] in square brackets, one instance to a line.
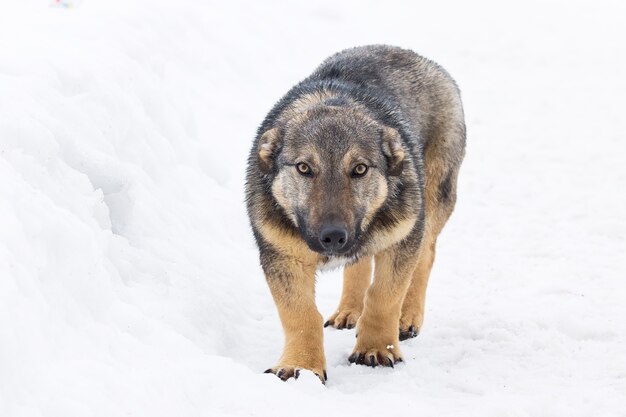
[409, 332]
[285, 372]
[344, 318]
[386, 355]
[410, 325]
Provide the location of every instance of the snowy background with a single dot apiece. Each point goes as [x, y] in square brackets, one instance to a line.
[129, 280]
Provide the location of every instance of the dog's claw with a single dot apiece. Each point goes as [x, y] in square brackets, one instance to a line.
[327, 323]
[411, 332]
[325, 375]
[287, 372]
[375, 358]
[373, 361]
[357, 358]
[320, 378]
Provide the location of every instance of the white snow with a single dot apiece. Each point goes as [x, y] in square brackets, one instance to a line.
[129, 280]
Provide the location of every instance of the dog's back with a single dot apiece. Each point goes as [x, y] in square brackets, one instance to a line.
[423, 91]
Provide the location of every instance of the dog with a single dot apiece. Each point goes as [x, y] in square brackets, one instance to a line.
[355, 165]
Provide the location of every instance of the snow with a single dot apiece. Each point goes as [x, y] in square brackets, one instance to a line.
[129, 280]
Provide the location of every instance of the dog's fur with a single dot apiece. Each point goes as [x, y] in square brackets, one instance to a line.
[401, 116]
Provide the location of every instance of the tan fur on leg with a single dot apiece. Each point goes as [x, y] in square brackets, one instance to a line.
[414, 302]
[302, 322]
[356, 279]
[377, 340]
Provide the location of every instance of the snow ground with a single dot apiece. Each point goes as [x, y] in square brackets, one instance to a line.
[129, 281]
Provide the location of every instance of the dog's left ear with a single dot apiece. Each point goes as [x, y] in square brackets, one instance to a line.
[392, 148]
[267, 147]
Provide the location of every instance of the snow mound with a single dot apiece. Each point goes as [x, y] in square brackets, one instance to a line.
[129, 281]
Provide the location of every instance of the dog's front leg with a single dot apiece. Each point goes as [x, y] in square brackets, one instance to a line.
[377, 329]
[292, 283]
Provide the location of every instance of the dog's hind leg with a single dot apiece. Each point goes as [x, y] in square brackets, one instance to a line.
[412, 315]
[356, 279]
[441, 183]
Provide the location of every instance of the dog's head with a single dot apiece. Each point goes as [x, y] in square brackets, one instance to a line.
[331, 167]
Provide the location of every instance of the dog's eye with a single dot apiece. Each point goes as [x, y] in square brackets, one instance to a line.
[359, 170]
[303, 168]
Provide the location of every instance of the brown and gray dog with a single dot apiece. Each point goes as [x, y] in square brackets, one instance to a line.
[355, 165]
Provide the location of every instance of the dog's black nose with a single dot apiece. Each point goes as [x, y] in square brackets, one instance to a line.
[333, 237]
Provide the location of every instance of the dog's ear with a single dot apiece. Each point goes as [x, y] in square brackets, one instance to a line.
[267, 147]
[393, 151]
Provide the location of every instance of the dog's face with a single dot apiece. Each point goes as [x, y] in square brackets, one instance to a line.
[332, 166]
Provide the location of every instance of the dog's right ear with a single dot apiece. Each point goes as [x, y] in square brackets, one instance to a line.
[392, 148]
[267, 147]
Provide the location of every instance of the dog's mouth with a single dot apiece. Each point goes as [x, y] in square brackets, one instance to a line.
[328, 263]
